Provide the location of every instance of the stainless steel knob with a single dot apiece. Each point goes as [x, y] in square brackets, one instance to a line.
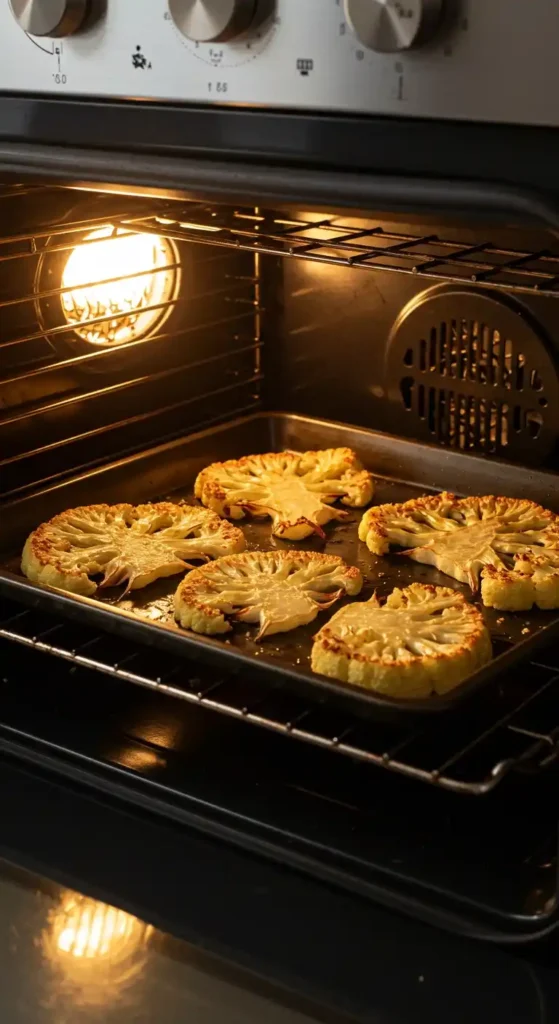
[209, 21]
[53, 18]
[389, 26]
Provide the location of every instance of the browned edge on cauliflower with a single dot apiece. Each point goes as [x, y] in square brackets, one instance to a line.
[279, 590]
[422, 640]
[508, 546]
[295, 489]
[125, 543]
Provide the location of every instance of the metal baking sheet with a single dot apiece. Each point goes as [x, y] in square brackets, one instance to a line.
[403, 469]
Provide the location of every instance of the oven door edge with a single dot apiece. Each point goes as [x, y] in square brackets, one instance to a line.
[273, 184]
[419, 147]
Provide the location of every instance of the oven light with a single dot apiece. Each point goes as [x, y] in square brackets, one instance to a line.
[116, 277]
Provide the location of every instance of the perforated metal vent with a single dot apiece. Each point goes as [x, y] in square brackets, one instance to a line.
[475, 373]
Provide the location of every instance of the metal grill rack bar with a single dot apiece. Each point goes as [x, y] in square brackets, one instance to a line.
[370, 247]
[60, 361]
[325, 239]
[60, 239]
[471, 758]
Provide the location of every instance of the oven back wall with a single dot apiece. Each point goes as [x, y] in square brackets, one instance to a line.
[456, 364]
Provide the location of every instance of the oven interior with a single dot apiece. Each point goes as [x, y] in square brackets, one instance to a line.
[131, 324]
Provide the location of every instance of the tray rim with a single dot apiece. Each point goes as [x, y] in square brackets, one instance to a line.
[221, 656]
[405, 444]
[224, 656]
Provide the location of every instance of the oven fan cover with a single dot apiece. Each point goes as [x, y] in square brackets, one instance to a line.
[474, 372]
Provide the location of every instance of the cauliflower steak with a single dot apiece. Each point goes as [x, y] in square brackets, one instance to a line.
[295, 489]
[132, 544]
[509, 545]
[422, 640]
[279, 590]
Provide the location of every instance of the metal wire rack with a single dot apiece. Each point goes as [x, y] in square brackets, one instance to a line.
[61, 240]
[362, 244]
[63, 356]
[470, 755]
[51, 367]
[327, 239]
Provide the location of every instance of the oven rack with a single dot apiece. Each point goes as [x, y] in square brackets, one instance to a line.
[348, 242]
[363, 244]
[470, 755]
[59, 240]
[94, 398]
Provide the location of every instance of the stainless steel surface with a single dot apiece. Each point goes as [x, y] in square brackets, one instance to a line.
[171, 469]
[485, 65]
[390, 26]
[54, 18]
[207, 21]
[473, 758]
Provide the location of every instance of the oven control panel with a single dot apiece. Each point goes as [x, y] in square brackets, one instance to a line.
[482, 60]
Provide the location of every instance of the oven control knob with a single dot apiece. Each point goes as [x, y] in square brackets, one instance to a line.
[212, 21]
[55, 18]
[389, 26]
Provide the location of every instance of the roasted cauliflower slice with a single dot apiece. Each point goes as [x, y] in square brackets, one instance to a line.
[423, 640]
[132, 544]
[509, 545]
[533, 580]
[280, 590]
[295, 489]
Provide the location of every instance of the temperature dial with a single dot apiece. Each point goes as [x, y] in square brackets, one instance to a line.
[54, 18]
[389, 26]
[212, 21]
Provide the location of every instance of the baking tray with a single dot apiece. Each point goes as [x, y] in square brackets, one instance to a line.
[404, 469]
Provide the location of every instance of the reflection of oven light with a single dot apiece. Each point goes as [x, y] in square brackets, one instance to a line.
[95, 946]
[109, 274]
[94, 930]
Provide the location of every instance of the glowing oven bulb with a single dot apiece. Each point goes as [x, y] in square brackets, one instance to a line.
[115, 276]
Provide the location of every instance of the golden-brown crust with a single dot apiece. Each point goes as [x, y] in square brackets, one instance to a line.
[295, 489]
[278, 589]
[488, 539]
[134, 543]
[534, 580]
[422, 640]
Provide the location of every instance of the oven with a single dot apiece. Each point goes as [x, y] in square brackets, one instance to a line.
[248, 227]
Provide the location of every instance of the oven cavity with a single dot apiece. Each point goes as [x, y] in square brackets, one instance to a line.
[476, 373]
[114, 334]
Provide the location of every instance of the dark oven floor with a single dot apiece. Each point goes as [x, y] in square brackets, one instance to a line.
[280, 926]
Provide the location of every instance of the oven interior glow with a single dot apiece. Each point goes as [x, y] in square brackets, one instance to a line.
[113, 280]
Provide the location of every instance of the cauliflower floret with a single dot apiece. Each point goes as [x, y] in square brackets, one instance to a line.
[510, 545]
[422, 640]
[133, 544]
[279, 590]
[534, 580]
[295, 489]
